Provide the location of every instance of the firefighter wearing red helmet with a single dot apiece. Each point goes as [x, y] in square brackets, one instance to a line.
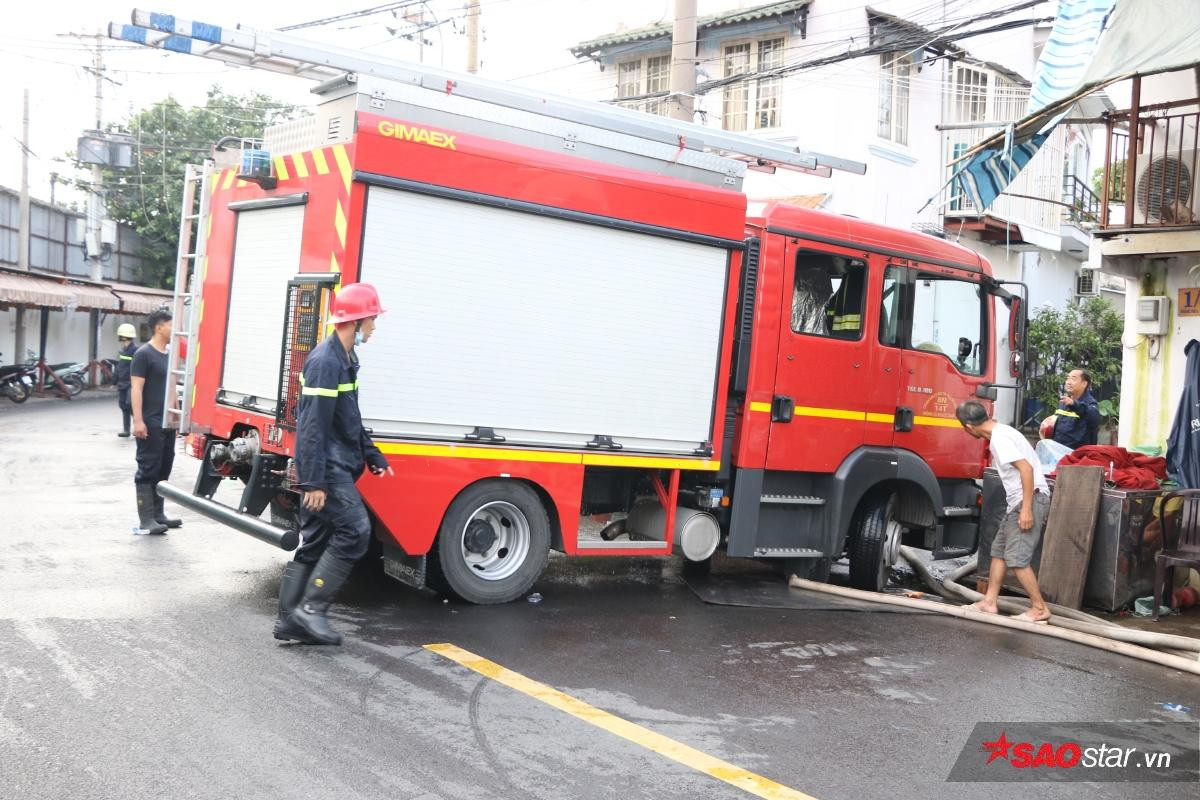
[332, 451]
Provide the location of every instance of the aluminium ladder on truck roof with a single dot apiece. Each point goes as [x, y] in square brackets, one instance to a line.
[290, 55]
[186, 306]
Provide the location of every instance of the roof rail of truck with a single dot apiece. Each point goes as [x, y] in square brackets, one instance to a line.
[290, 55]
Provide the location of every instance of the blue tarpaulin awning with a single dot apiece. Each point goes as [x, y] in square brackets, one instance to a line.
[1094, 43]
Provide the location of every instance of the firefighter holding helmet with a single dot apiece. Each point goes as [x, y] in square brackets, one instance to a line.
[332, 451]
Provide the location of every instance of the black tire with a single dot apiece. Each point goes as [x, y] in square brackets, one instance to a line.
[867, 542]
[512, 512]
[74, 385]
[18, 392]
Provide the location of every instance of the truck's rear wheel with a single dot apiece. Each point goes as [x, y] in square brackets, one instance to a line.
[493, 543]
[874, 542]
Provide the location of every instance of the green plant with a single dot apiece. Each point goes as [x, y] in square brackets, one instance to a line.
[1110, 412]
[1085, 336]
[1116, 182]
[168, 136]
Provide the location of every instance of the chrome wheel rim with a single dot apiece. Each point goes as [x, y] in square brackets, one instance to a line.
[505, 554]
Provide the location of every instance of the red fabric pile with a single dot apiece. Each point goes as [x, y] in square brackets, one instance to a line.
[1129, 470]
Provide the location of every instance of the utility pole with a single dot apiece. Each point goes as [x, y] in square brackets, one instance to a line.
[95, 214]
[473, 36]
[23, 231]
[682, 97]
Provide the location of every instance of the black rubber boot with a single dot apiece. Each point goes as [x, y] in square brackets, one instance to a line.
[145, 506]
[323, 584]
[124, 434]
[160, 516]
[291, 589]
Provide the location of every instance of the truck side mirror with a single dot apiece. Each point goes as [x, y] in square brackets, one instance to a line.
[1016, 325]
[1016, 364]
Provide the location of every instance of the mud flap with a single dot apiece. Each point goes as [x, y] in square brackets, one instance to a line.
[409, 570]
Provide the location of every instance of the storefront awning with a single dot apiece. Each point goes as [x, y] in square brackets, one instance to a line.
[141, 299]
[93, 296]
[20, 289]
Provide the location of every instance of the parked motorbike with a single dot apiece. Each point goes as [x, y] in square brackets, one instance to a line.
[16, 381]
[73, 374]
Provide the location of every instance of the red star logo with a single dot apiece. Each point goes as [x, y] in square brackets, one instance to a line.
[998, 748]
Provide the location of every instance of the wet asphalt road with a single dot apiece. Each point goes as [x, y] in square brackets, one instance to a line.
[143, 667]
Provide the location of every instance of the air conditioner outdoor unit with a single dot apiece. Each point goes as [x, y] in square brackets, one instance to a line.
[1086, 284]
[1166, 189]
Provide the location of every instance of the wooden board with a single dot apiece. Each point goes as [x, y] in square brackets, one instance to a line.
[1070, 527]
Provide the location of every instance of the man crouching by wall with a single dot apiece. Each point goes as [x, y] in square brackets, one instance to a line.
[1028, 497]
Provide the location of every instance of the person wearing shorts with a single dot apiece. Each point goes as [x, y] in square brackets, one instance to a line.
[1028, 498]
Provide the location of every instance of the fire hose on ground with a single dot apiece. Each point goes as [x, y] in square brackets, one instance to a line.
[1067, 624]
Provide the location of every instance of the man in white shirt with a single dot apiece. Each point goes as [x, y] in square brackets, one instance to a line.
[1028, 497]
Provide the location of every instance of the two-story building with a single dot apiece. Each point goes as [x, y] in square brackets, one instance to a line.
[896, 86]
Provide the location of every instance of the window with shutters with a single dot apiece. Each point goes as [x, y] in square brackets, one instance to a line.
[895, 76]
[752, 104]
[642, 76]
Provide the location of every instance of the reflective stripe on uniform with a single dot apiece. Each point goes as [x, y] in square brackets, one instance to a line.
[319, 392]
[1062, 412]
[125, 358]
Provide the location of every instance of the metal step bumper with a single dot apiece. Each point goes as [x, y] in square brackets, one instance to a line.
[283, 538]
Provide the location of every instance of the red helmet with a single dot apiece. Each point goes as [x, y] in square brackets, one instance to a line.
[354, 302]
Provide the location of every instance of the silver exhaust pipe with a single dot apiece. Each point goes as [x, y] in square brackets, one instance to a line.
[697, 533]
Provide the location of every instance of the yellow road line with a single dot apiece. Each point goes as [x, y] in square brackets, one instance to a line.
[669, 748]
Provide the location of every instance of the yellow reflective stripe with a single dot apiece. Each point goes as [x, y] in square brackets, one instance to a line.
[126, 358]
[605, 460]
[299, 165]
[280, 168]
[889, 419]
[339, 223]
[347, 387]
[588, 459]
[312, 390]
[764, 407]
[937, 422]
[1062, 412]
[343, 163]
[225, 184]
[830, 413]
[318, 156]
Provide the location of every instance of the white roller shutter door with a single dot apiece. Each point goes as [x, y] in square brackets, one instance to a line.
[266, 256]
[546, 330]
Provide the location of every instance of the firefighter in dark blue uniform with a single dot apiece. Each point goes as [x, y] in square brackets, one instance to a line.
[125, 335]
[332, 451]
[1077, 420]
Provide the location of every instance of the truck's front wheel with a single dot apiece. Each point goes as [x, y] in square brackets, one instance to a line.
[493, 543]
[873, 543]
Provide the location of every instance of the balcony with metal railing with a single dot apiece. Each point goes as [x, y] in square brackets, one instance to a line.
[1152, 167]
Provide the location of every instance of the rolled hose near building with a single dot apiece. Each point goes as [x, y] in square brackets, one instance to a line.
[1101, 640]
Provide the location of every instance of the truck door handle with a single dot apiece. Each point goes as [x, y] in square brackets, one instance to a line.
[904, 419]
[782, 408]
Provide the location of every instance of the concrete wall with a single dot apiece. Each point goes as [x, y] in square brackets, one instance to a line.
[54, 245]
[68, 334]
[1153, 372]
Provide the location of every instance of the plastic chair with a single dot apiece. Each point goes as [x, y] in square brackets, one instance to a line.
[1180, 526]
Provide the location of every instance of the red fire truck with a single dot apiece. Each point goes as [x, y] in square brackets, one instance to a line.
[584, 323]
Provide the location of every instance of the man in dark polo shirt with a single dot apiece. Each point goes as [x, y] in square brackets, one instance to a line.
[155, 444]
